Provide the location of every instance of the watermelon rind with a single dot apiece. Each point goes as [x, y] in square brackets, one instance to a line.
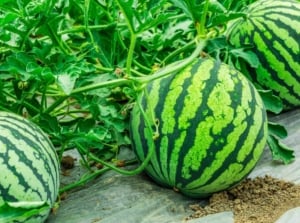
[210, 125]
[29, 164]
[271, 30]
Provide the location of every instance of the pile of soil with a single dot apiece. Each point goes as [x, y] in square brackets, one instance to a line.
[258, 200]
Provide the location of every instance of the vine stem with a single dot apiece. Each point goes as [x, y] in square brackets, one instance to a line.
[130, 53]
[111, 83]
[202, 31]
[171, 68]
[178, 51]
[133, 37]
[83, 180]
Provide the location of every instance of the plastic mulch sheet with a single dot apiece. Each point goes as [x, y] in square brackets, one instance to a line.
[116, 198]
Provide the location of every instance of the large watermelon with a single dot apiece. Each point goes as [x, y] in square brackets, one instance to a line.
[29, 179]
[272, 27]
[211, 126]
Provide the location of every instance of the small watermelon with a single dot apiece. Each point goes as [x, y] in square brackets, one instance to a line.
[211, 128]
[29, 165]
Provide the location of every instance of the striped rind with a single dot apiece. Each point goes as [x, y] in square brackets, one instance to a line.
[28, 162]
[272, 27]
[212, 128]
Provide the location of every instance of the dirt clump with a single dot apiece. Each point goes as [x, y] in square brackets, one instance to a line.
[258, 200]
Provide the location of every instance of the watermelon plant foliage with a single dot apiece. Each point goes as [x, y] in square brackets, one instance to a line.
[75, 68]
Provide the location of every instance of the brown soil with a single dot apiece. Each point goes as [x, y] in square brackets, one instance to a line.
[258, 200]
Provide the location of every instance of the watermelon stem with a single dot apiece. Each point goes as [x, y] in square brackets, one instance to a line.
[178, 51]
[202, 25]
[154, 120]
[84, 179]
[130, 53]
[173, 67]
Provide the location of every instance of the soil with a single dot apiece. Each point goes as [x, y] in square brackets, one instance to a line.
[258, 200]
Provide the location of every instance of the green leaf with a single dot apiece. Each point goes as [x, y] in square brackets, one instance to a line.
[223, 18]
[85, 125]
[277, 130]
[49, 124]
[271, 101]
[8, 18]
[217, 7]
[3, 2]
[141, 16]
[218, 14]
[23, 211]
[247, 56]
[183, 6]
[280, 152]
[97, 135]
[67, 82]
[194, 9]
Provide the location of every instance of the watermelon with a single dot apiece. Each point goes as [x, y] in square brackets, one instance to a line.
[271, 27]
[29, 165]
[209, 128]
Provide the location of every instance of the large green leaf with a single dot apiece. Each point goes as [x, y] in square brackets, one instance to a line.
[280, 152]
[29, 212]
[142, 15]
[277, 130]
[272, 102]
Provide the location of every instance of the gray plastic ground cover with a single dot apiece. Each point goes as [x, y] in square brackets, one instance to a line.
[116, 198]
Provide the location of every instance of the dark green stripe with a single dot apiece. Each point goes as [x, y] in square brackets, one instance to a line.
[189, 141]
[18, 173]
